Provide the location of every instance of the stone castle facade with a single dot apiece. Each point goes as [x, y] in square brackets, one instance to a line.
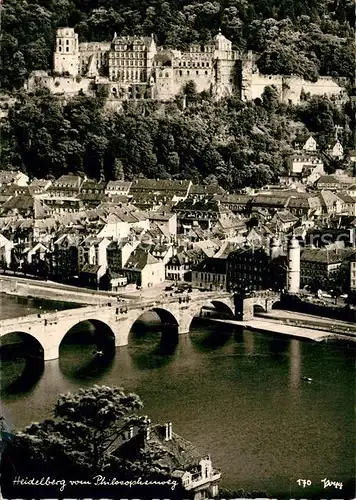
[131, 67]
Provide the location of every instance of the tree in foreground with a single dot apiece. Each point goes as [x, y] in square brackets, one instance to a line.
[77, 441]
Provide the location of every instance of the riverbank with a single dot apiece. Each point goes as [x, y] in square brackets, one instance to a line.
[24, 287]
[297, 328]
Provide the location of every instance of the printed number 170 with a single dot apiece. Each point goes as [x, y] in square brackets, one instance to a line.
[304, 482]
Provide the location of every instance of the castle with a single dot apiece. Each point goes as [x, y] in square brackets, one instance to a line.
[132, 67]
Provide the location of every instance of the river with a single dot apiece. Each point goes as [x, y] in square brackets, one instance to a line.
[234, 393]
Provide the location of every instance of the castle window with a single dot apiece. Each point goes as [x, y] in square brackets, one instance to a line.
[179, 64]
[202, 64]
[184, 63]
[160, 74]
[167, 75]
[67, 42]
[198, 64]
[60, 49]
[67, 49]
[193, 64]
[60, 42]
[207, 65]
[197, 72]
[206, 72]
[180, 73]
[202, 48]
[188, 72]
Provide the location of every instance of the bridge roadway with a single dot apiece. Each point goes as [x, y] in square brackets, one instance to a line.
[115, 319]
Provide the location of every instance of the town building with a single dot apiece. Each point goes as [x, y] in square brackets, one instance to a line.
[180, 265]
[117, 188]
[143, 269]
[10, 177]
[335, 149]
[6, 247]
[66, 186]
[179, 460]
[250, 269]
[172, 190]
[353, 275]
[325, 269]
[210, 274]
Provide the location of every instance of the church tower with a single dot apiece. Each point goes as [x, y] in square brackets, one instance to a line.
[66, 56]
[293, 273]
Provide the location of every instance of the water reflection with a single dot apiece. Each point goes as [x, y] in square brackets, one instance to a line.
[207, 336]
[87, 351]
[295, 364]
[21, 361]
[20, 376]
[152, 346]
[249, 342]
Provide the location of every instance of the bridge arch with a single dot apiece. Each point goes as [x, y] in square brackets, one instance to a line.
[259, 308]
[11, 340]
[90, 331]
[22, 361]
[153, 337]
[167, 319]
[214, 308]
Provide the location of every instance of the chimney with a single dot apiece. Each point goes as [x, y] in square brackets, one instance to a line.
[166, 437]
[148, 429]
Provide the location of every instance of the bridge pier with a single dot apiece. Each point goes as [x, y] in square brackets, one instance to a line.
[51, 352]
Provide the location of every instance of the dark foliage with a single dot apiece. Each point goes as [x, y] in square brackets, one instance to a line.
[240, 144]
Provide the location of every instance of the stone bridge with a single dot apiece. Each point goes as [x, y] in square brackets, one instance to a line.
[116, 319]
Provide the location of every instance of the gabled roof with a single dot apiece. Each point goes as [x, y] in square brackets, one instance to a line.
[68, 181]
[328, 198]
[212, 265]
[206, 190]
[139, 259]
[157, 185]
[9, 176]
[176, 453]
[285, 216]
[323, 256]
[118, 185]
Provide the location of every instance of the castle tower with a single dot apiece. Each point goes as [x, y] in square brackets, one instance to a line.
[66, 56]
[246, 77]
[275, 247]
[293, 273]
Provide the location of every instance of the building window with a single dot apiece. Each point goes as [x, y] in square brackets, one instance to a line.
[180, 72]
[202, 65]
[188, 72]
[67, 49]
[207, 65]
[197, 72]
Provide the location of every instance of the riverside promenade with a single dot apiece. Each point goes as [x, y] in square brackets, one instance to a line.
[298, 326]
